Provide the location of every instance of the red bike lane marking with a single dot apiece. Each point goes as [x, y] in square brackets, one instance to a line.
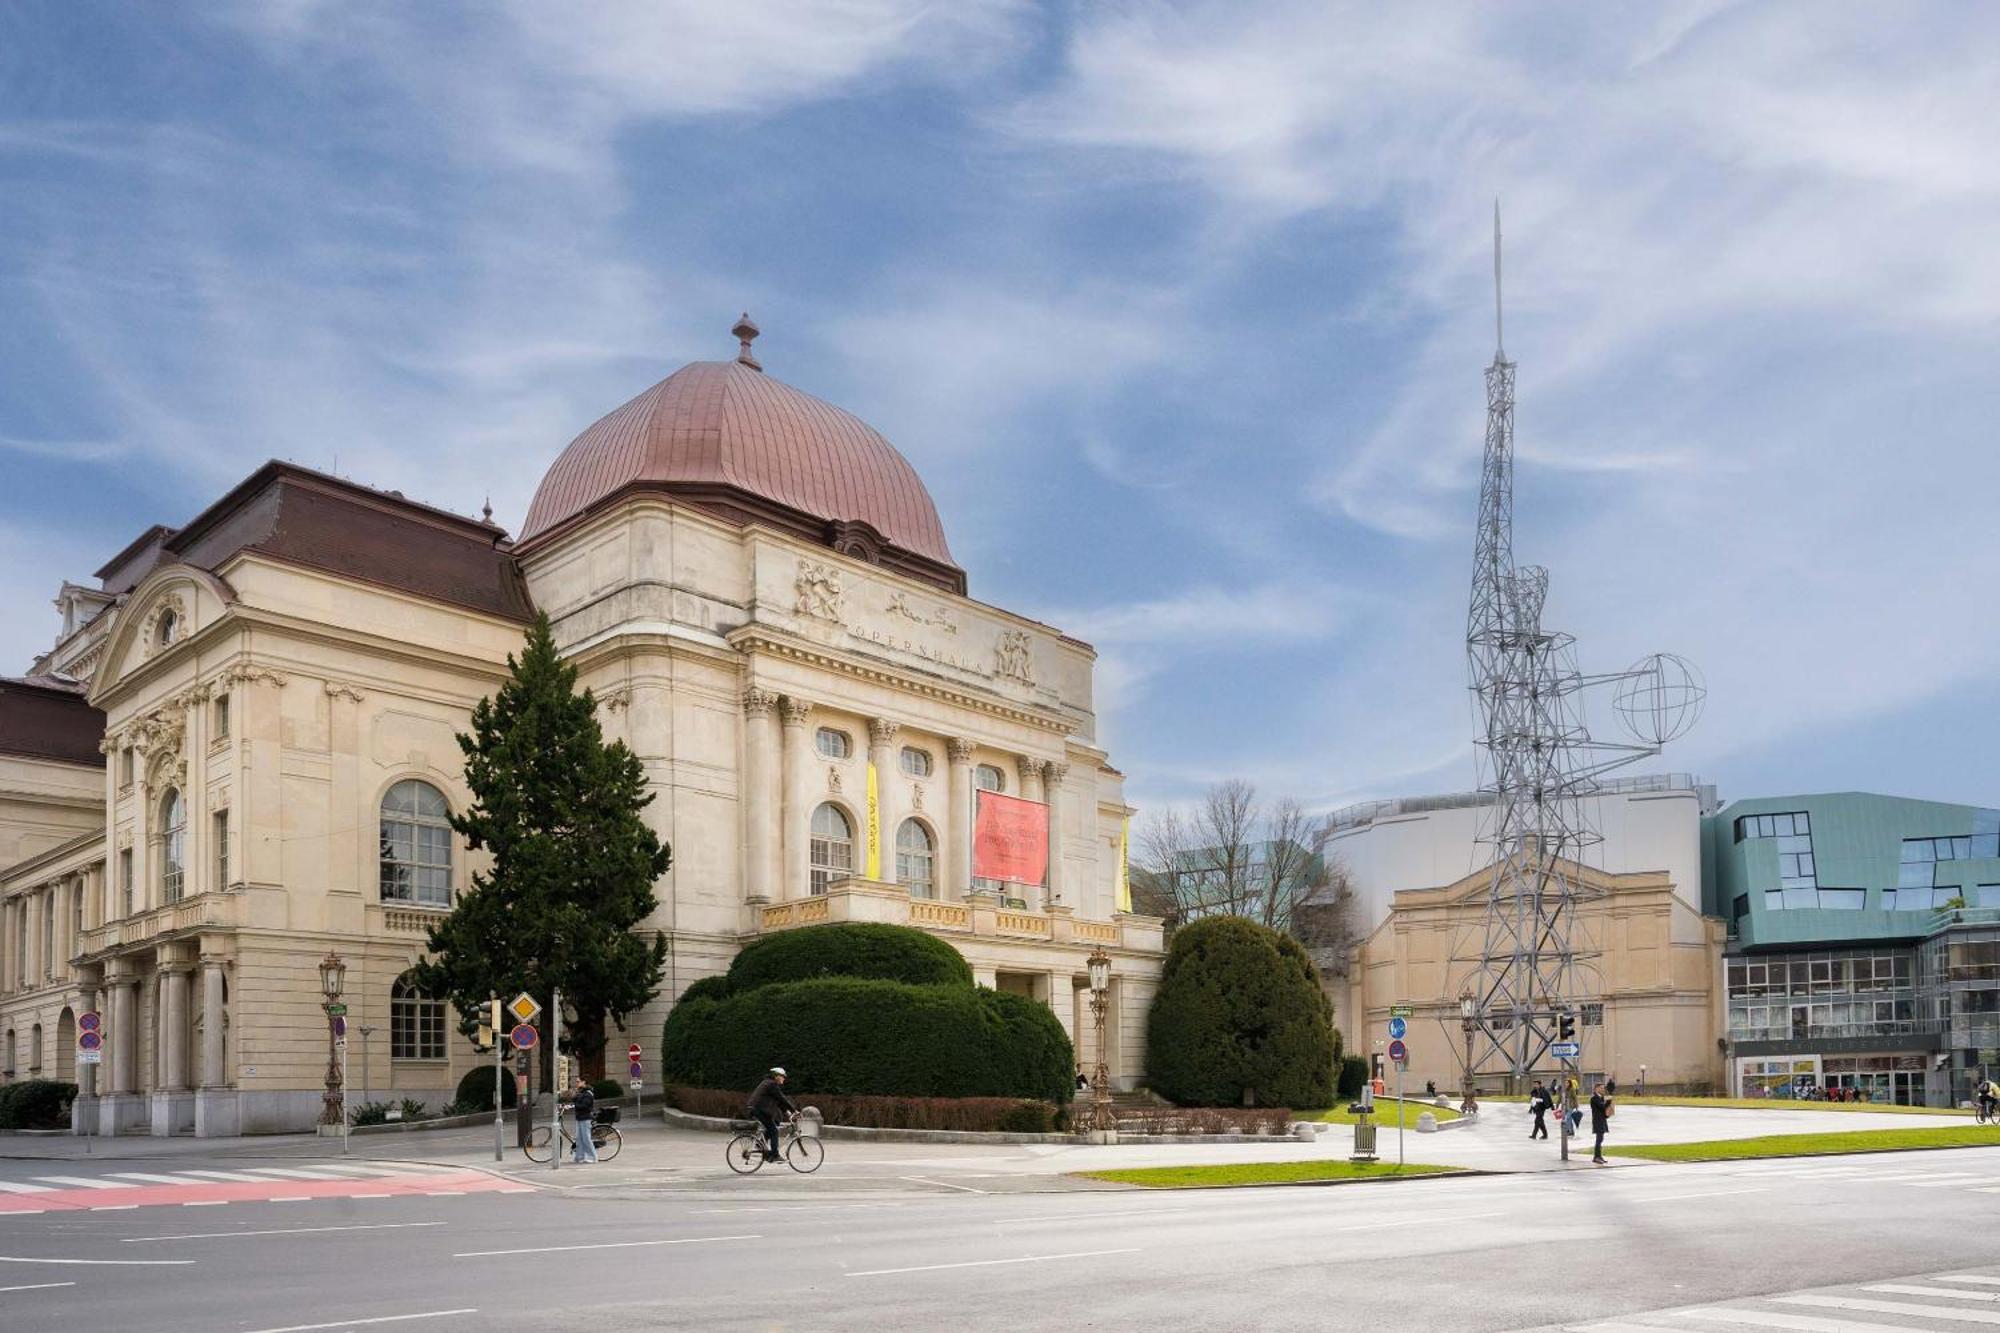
[82, 1200]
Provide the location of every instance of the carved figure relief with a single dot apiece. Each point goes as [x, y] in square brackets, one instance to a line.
[917, 798]
[1010, 656]
[832, 778]
[820, 592]
[899, 605]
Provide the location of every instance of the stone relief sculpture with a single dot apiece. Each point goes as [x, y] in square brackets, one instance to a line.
[819, 591]
[899, 605]
[1010, 656]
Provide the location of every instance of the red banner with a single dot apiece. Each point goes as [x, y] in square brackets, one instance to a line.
[1010, 839]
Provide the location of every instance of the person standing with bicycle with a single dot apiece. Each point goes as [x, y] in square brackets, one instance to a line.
[765, 1106]
[583, 1105]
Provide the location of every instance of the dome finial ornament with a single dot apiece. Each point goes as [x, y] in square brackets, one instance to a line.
[745, 333]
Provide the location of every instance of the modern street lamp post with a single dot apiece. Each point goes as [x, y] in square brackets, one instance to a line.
[1466, 1004]
[1101, 1119]
[332, 981]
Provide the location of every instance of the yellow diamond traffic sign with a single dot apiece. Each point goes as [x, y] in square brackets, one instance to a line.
[524, 1008]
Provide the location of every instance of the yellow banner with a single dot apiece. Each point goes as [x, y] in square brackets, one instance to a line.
[874, 826]
[1125, 865]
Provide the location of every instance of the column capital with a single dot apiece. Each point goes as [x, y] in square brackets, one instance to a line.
[881, 731]
[960, 749]
[1056, 772]
[759, 702]
[1031, 768]
[796, 710]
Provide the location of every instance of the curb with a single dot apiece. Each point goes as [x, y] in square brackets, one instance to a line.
[1289, 1184]
[868, 1134]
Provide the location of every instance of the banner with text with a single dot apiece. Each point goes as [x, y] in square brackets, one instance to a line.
[1010, 839]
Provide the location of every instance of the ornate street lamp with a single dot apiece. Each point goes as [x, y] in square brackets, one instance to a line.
[1467, 1004]
[1099, 965]
[332, 981]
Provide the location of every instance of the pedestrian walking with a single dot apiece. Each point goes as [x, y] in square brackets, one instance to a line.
[583, 1105]
[1639, 1088]
[1600, 1123]
[1538, 1105]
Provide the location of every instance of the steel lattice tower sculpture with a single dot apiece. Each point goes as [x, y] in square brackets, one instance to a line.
[1539, 764]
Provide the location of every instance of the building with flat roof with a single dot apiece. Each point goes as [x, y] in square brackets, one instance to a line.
[1864, 944]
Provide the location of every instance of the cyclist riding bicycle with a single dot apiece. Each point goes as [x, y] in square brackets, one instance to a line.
[765, 1105]
[1988, 1095]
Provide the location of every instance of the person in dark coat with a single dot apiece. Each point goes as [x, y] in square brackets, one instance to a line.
[765, 1106]
[1539, 1103]
[1600, 1123]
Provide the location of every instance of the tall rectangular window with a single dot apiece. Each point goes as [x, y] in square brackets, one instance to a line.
[222, 718]
[220, 831]
[48, 910]
[125, 885]
[125, 767]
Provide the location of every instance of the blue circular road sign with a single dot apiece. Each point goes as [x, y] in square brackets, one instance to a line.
[1399, 1027]
[1398, 1051]
[523, 1036]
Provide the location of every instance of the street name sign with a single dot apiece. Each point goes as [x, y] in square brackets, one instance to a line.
[90, 1057]
[1399, 1027]
[1565, 1050]
[1401, 1011]
[1399, 1051]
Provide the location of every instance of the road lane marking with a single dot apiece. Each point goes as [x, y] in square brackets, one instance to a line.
[206, 1203]
[290, 1173]
[115, 1208]
[1895, 1307]
[152, 1178]
[1969, 1277]
[87, 1182]
[369, 1196]
[356, 1323]
[990, 1263]
[445, 1194]
[96, 1263]
[227, 1175]
[1419, 1220]
[1705, 1194]
[1906, 1177]
[289, 1198]
[23, 1187]
[1907, 1289]
[943, 1184]
[1952, 1180]
[605, 1245]
[1803, 1323]
[281, 1231]
[1093, 1217]
[38, 1286]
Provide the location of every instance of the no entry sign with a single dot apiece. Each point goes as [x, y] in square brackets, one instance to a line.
[633, 1052]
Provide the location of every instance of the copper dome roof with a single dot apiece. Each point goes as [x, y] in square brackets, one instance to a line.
[727, 437]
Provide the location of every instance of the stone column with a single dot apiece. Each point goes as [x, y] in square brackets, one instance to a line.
[957, 849]
[1058, 889]
[761, 796]
[888, 810]
[211, 1023]
[174, 985]
[797, 882]
[1031, 777]
[124, 1040]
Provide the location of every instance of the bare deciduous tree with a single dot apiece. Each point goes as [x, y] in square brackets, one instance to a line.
[1232, 854]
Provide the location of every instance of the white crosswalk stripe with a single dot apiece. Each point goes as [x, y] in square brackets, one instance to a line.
[1979, 1278]
[292, 1173]
[152, 1179]
[227, 1175]
[1894, 1307]
[87, 1182]
[1905, 1289]
[1934, 1300]
[23, 1187]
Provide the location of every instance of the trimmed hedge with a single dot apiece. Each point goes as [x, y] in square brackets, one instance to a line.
[607, 1089]
[857, 1036]
[983, 1114]
[1353, 1073]
[36, 1103]
[847, 949]
[475, 1090]
[1240, 1012]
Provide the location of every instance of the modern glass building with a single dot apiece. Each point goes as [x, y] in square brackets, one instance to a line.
[1864, 944]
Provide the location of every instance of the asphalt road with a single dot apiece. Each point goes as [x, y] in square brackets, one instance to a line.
[1466, 1255]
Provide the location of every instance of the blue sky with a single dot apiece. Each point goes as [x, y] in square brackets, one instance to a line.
[1179, 311]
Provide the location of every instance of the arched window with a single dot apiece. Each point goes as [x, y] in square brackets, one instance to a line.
[173, 846]
[832, 846]
[988, 778]
[916, 860]
[169, 627]
[916, 763]
[416, 845]
[416, 1022]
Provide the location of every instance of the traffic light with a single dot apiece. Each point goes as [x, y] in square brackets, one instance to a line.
[1566, 1026]
[483, 1038]
[496, 1016]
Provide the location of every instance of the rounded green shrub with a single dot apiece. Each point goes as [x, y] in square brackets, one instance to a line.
[1240, 1011]
[710, 988]
[36, 1103]
[855, 1035]
[475, 1090]
[1353, 1073]
[847, 949]
[607, 1089]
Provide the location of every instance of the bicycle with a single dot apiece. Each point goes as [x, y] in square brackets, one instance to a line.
[745, 1154]
[1985, 1112]
[604, 1139]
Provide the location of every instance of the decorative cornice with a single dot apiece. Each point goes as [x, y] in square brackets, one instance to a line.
[755, 639]
[340, 689]
[246, 673]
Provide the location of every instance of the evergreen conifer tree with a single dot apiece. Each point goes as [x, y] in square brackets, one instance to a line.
[573, 860]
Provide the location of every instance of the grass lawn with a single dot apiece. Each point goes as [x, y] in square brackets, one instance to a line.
[1807, 1145]
[1780, 1104]
[1385, 1114]
[1261, 1173]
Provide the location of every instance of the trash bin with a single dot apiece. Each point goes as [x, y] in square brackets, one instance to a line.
[1364, 1140]
[810, 1121]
